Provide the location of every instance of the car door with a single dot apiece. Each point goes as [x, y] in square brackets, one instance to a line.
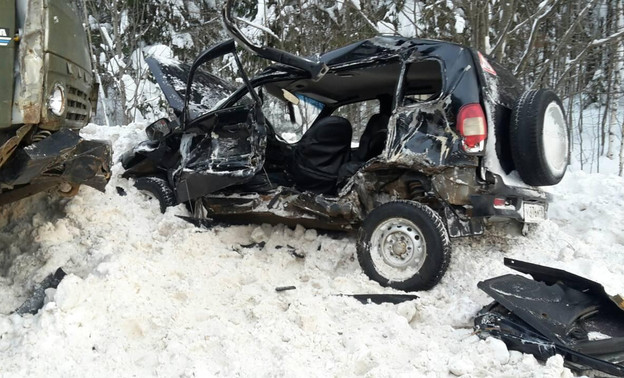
[220, 148]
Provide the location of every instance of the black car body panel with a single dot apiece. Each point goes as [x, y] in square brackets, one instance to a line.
[555, 312]
[63, 157]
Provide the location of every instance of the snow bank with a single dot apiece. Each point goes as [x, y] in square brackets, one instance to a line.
[150, 295]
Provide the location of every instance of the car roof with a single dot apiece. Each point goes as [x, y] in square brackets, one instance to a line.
[382, 47]
[368, 69]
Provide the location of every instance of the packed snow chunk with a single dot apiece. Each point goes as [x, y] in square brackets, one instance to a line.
[160, 52]
[407, 310]
[258, 235]
[69, 293]
[182, 40]
[597, 336]
[461, 366]
[56, 233]
[498, 350]
[554, 367]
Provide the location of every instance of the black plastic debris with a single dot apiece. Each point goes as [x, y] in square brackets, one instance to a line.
[205, 223]
[260, 245]
[556, 312]
[284, 288]
[381, 298]
[35, 302]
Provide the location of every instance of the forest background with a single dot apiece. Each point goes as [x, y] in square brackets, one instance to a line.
[573, 46]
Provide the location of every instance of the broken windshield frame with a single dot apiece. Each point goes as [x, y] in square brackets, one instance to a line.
[315, 69]
[217, 51]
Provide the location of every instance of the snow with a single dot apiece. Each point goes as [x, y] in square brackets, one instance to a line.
[182, 40]
[586, 143]
[150, 295]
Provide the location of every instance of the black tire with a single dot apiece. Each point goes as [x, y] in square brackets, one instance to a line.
[159, 188]
[417, 227]
[540, 150]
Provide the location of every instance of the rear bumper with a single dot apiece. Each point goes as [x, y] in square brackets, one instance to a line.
[523, 204]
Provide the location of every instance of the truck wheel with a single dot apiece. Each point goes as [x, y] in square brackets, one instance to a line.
[540, 142]
[404, 245]
[158, 188]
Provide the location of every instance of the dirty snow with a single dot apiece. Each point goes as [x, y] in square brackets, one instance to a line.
[151, 295]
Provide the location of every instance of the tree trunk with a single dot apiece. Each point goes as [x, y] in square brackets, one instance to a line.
[618, 55]
[622, 150]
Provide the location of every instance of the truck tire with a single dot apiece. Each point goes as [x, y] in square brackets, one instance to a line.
[158, 188]
[404, 245]
[540, 142]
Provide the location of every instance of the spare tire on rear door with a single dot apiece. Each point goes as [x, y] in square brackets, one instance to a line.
[540, 143]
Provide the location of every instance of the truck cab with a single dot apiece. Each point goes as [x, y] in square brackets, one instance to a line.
[49, 93]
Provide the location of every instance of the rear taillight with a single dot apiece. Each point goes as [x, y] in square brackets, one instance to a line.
[472, 127]
[503, 203]
[499, 202]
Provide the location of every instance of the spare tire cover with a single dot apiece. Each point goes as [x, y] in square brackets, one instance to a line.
[540, 142]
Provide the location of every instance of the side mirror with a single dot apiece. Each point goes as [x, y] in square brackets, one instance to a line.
[158, 129]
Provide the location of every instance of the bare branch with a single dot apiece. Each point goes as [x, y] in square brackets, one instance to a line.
[595, 43]
[259, 27]
[563, 41]
[368, 21]
[498, 45]
[544, 11]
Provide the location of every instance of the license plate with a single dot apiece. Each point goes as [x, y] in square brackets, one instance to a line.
[534, 212]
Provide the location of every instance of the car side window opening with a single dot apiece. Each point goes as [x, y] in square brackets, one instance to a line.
[290, 119]
[423, 82]
[358, 113]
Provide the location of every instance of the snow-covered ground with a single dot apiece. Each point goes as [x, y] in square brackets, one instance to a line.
[151, 295]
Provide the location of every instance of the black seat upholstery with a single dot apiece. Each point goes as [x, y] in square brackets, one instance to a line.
[373, 138]
[372, 143]
[320, 153]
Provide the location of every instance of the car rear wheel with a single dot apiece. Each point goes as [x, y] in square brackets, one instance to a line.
[158, 188]
[540, 143]
[404, 245]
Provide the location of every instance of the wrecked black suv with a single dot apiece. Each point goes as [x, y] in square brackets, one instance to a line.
[408, 141]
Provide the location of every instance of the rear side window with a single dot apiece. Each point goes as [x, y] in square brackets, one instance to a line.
[423, 82]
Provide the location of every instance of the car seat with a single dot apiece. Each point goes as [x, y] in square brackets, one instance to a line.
[372, 143]
[320, 153]
[373, 138]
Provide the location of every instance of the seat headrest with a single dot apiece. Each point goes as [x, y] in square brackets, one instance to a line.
[332, 127]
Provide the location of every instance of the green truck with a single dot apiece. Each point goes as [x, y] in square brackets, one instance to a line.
[48, 92]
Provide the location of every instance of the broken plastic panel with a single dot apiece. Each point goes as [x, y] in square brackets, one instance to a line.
[556, 312]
